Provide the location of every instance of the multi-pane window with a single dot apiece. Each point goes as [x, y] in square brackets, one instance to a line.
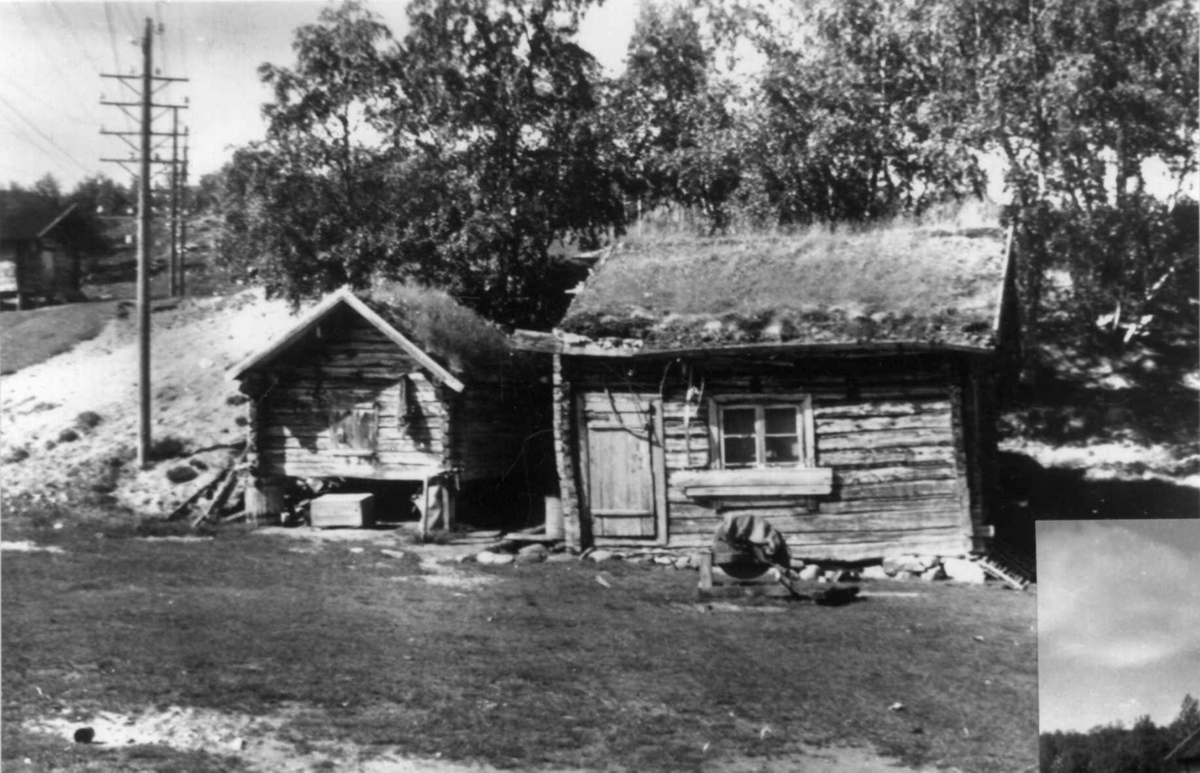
[766, 435]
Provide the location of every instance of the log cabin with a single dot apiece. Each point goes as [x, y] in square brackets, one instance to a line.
[842, 386]
[1185, 757]
[394, 384]
[39, 258]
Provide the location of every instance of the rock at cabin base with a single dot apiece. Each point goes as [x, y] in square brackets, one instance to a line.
[683, 562]
[894, 565]
[488, 557]
[810, 572]
[532, 554]
[933, 573]
[599, 556]
[560, 558]
[963, 570]
[874, 573]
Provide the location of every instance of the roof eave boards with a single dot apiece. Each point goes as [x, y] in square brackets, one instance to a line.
[323, 309]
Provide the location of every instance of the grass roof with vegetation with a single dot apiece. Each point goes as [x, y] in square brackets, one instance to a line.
[454, 335]
[897, 285]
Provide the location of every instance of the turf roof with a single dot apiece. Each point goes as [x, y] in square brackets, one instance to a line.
[917, 286]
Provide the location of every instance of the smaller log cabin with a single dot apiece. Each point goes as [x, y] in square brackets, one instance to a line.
[39, 262]
[841, 386]
[395, 384]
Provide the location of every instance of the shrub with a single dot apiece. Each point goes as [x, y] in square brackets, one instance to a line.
[168, 447]
[88, 420]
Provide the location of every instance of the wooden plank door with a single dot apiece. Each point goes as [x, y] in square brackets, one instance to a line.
[620, 481]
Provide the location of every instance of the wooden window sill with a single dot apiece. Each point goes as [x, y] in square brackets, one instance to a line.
[772, 483]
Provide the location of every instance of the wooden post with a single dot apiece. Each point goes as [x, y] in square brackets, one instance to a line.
[706, 565]
[425, 509]
[448, 505]
[264, 500]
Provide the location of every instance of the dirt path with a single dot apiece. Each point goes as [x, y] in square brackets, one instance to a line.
[263, 743]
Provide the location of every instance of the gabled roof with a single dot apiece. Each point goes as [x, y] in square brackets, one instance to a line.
[911, 287]
[1188, 750]
[25, 215]
[331, 302]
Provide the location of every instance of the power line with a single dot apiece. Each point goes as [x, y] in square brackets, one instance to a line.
[112, 37]
[36, 35]
[44, 136]
[41, 149]
[78, 43]
[56, 109]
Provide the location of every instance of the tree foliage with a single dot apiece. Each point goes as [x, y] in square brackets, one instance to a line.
[1114, 748]
[460, 154]
[457, 156]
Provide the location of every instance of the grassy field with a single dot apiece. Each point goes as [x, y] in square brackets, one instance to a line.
[520, 667]
[30, 337]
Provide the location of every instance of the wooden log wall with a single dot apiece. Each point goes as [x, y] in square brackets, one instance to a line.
[892, 430]
[349, 364]
[498, 428]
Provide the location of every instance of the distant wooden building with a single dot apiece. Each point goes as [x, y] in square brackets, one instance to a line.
[1185, 757]
[839, 386]
[397, 384]
[38, 262]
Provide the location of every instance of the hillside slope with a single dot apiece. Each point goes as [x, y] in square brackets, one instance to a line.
[70, 423]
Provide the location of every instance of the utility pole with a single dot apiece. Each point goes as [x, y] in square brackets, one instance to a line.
[144, 161]
[184, 221]
[143, 259]
[174, 202]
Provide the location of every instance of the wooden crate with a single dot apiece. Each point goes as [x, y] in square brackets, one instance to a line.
[354, 510]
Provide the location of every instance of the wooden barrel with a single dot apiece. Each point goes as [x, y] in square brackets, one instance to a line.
[264, 500]
[554, 517]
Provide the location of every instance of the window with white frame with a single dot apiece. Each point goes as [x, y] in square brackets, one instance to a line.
[764, 434]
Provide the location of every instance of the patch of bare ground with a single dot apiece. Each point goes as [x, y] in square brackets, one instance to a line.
[264, 743]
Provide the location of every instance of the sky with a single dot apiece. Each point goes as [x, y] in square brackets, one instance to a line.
[52, 54]
[1118, 621]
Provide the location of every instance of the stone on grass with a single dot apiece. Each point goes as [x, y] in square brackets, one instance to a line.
[182, 473]
[964, 570]
[497, 559]
[600, 556]
[532, 554]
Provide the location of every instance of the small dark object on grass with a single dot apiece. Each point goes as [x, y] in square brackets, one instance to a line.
[241, 421]
[237, 399]
[836, 597]
[17, 455]
[182, 473]
[199, 464]
[88, 420]
[84, 735]
[168, 447]
[68, 435]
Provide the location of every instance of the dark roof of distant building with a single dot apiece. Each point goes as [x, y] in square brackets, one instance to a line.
[25, 215]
